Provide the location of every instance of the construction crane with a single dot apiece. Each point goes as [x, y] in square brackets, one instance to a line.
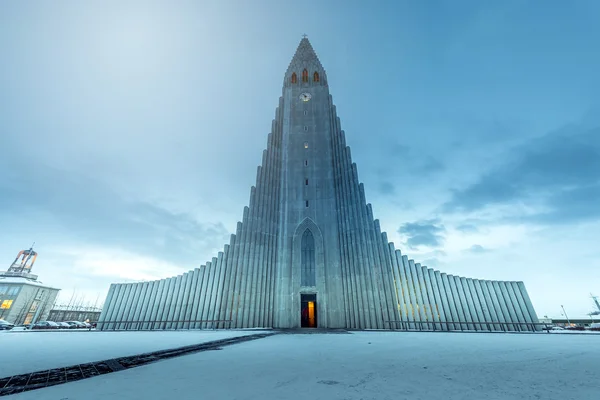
[595, 298]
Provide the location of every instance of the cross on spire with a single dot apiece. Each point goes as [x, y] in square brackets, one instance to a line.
[304, 36]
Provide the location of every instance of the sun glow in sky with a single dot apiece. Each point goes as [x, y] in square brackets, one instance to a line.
[130, 132]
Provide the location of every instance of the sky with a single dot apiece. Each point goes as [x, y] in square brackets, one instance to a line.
[130, 132]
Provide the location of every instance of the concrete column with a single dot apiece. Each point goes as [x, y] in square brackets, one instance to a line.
[454, 304]
[124, 303]
[235, 279]
[491, 308]
[342, 209]
[418, 295]
[173, 300]
[398, 293]
[138, 302]
[357, 297]
[457, 302]
[479, 303]
[406, 293]
[182, 293]
[248, 260]
[386, 276]
[442, 300]
[189, 315]
[374, 265]
[168, 302]
[470, 303]
[258, 246]
[184, 303]
[502, 304]
[242, 270]
[108, 306]
[258, 288]
[200, 296]
[514, 305]
[227, 301]
[503, 326]
[219, 313]
[414, 309]
[365, 319]
[210, 303]
[144, 313]
[204, 296]
[364, 261]
[196, 310]
[521, 305]
[434, 299]
[427, 302]
[217, 289]
[149, 300]
[117, 306]
[463, 301]
[158, 304]
[483, 304]
[529, 306]
[509, 305]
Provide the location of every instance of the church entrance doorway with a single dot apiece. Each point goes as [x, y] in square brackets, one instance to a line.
[308, 309]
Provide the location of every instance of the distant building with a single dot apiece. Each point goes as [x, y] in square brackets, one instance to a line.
[23, 298]
[66, 313]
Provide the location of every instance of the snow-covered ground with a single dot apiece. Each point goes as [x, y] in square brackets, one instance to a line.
[23, 352]
[364, 365]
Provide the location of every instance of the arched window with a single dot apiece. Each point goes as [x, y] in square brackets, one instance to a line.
[316, 77]
[308, 259]
[294, 78]
[305, 75]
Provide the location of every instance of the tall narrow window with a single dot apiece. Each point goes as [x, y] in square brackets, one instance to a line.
[305, 75]
[305, 128]
[305, 112]
[306, 203]
[294, 78]
[306, 145]
[316, 77]
[306, 182]
[308, 259]
[306, 163]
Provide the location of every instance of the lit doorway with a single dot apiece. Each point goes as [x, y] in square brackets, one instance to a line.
[308, 308]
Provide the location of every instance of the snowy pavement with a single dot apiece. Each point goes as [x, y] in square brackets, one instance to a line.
[24, 352]
[363, 365]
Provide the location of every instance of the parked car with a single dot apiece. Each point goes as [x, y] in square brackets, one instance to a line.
[76, 324]
[45, 325]
[5, 325]
[595, 326]
[63, 325]
[553, 328]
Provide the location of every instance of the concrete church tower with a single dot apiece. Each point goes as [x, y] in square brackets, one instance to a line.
[308, 252]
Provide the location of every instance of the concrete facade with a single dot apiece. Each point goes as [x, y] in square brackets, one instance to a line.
[309, 231]
[23, 299]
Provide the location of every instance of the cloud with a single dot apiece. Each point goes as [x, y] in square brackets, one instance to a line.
[556, 177]
[423, 233]
[89, 211]
[477, 249]
[467, 228]
[386, 188]
[414, 161]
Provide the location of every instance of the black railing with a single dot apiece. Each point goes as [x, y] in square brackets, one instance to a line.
[466, 326]
[164, 325]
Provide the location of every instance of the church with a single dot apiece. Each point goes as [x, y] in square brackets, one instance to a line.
[308, 252]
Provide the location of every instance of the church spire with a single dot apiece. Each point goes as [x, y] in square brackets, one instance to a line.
[305, 58]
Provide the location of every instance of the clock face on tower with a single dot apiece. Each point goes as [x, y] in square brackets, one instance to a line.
[305, 96]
